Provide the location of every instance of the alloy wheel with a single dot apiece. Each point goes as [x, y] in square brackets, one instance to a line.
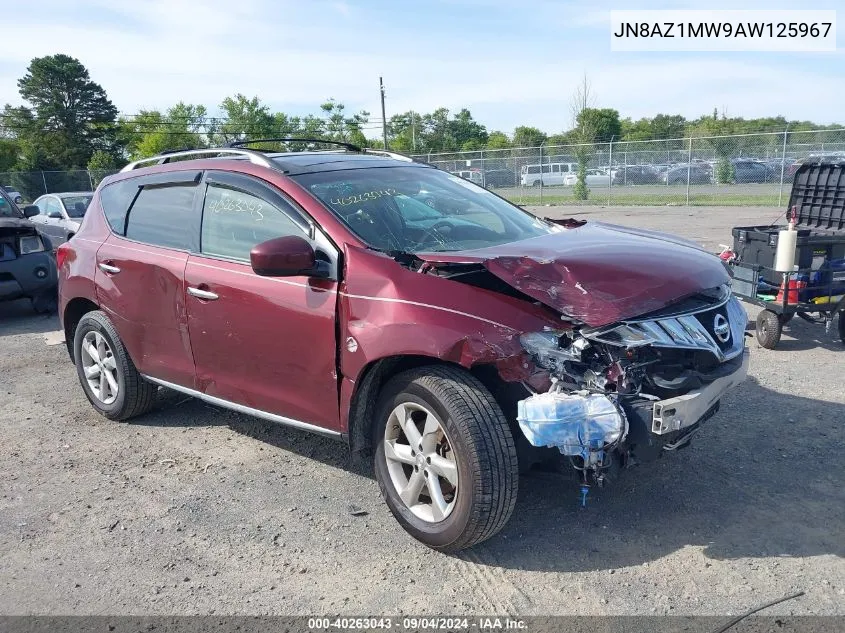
[99, 367]
[421, 462]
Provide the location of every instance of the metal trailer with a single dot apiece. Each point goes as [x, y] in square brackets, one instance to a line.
[815, 288]
[776, 314]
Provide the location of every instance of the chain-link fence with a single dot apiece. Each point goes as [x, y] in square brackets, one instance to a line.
[745, 169]
[31, 184]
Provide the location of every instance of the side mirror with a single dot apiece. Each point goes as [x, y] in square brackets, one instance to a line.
[287, 256]
[31, 210]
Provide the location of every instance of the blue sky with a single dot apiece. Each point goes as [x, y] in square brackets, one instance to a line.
[511, 63]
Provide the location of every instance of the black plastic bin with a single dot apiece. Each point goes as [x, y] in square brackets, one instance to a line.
[818, 197]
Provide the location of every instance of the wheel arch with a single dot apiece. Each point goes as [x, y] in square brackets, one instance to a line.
[372, 378]
[73, 313]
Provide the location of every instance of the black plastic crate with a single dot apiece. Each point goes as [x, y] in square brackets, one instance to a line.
[818, 197]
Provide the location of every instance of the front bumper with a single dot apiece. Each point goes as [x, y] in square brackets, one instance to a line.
[28, 276]
[675, 414]
[677, 419]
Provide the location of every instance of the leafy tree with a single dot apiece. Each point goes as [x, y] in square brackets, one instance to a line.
[498, 140]
[100, 165]
[245, 119]
[340, 127]
[468, 133]
[71, 116]
[9, 152]
[524, 136]
[183, 126]
[598, 125]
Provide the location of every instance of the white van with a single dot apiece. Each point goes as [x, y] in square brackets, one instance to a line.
[551, 174]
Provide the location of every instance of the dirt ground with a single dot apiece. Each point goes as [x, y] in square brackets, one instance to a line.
[192, 509]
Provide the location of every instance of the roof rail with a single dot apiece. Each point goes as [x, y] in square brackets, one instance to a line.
[256, 158]
[349, 146]
[393, 155]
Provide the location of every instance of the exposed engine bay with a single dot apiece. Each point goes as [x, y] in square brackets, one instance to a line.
[623, 394]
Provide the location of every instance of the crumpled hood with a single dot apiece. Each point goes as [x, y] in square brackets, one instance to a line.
[599, 273]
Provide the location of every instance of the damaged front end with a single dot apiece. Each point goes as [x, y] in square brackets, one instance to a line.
[625, 393]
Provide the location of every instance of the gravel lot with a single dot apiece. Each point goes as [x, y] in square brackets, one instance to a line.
[192, 509]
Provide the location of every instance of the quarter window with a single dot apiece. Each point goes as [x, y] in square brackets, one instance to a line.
[234, 221]
[164, 216]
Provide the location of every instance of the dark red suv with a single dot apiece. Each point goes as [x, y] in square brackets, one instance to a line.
[405, 311]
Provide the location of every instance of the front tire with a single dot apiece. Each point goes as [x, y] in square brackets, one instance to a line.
[108, 376]
[445, 458]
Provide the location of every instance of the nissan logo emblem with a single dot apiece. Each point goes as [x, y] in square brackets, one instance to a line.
[721, 328]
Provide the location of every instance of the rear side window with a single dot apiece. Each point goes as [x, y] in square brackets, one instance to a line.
[164, 215]
[116, 199]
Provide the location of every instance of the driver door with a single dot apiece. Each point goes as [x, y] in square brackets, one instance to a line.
[267, 344]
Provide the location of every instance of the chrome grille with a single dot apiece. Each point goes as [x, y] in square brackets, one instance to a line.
[686, 331]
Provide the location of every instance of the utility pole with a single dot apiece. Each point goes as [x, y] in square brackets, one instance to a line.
[383, 116]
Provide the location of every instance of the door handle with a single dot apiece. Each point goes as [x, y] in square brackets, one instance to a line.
[107, 268]
[202, 294]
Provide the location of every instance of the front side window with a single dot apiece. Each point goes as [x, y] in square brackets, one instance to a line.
[163, 216]
[234, 221]
[418, 209]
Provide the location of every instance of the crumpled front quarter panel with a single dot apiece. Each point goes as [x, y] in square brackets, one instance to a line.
[390, 310]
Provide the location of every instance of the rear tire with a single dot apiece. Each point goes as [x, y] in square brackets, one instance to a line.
[842, 326]
[768, 329]
[122, 392]
[46, 302]
[469, 434]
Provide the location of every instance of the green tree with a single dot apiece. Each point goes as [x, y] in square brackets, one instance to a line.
[467, 132]
[598, 125]
[498, 140]
[524, 136]
[70, 115]
[183, 126]
[100, 165]
[10, 151]
[340, 127]
[245, 119]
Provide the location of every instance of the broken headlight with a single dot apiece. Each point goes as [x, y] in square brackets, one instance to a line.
[547, 349]
[30, 244]
[623, 336]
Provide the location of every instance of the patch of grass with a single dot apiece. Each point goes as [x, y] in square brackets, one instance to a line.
[739, 199]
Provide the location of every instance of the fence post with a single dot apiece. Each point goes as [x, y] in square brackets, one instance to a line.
[44, 180]
[782, 165]
[689, 167]
[541, 173]
[609, 174]
[90, 180]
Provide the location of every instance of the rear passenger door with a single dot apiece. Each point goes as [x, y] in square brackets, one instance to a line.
[266, 343]
[155, 222]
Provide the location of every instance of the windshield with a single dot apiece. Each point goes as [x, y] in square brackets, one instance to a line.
[416, 209]
[76, 205]
[7, 208]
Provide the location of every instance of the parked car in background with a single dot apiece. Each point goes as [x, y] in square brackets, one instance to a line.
[752, 171]
[792, 166]
[698, 174]
[16, 197]
[636, 175]
[547, 174]
[27, 266]
[500, 178]
[313, 290]
[473, 175]
[594, 178]
[60, 214]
